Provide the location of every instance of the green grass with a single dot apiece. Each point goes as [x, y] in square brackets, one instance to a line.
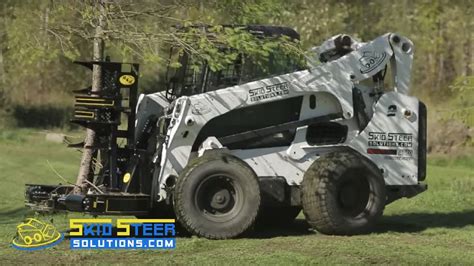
[436, 227]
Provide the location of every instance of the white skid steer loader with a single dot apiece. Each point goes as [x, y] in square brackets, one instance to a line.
[222, 150]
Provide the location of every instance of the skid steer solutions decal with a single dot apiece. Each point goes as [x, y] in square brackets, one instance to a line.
[268, 92]
[33, 234]
[395, 146]
[126, 234]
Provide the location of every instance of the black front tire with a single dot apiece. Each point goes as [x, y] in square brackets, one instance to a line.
[217, 196]
[343, 193]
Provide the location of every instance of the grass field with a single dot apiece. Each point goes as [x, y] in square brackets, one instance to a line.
[436, 227]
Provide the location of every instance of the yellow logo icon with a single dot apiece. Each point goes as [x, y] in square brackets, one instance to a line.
[126, 177]
[127, 80]
[35, 234]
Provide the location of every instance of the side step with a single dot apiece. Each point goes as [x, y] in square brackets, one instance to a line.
[50, 198]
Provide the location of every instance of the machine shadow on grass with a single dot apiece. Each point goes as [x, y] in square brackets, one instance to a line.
[417, 222]
[400, 223]
[14, 215]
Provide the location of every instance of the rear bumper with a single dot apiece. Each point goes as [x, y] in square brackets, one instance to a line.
[50, 198]
[397, 192]
[422, 136]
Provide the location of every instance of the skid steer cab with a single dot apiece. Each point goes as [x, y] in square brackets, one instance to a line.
[257, 141]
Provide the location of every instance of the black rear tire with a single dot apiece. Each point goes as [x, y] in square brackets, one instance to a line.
[343, 193]
[217, 196]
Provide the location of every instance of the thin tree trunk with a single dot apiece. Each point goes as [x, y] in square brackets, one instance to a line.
[469, 55]
[42, 90]
[3, 90]
[98, 55]
[2, 71]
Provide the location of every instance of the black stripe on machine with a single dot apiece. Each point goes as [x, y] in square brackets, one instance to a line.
[382, 151]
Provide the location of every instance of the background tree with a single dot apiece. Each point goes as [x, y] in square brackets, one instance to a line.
[39, 39]
[100, 14]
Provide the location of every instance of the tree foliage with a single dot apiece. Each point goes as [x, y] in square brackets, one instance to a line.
[39, 39]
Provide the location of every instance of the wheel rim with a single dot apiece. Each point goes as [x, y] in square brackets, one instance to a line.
[28, 240]
[219, 197]
[37, 237]
[354, 195]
